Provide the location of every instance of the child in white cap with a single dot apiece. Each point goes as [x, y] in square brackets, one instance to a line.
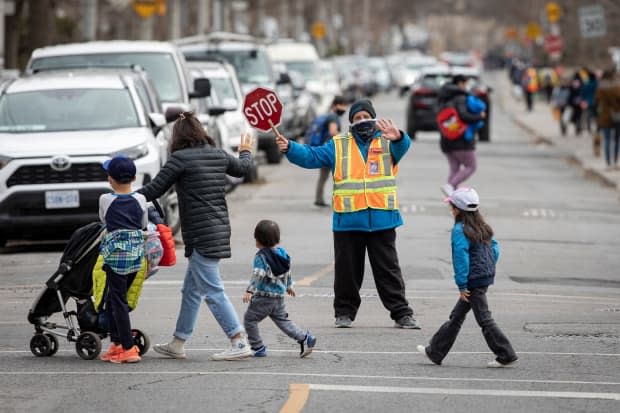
[474, 254]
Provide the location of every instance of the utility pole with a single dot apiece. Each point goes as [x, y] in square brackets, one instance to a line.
[174, 32]
[203, 16]
[299, 19]
[88, 23]
[1, 34]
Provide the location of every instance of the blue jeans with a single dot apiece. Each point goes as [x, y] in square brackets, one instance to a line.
[203, 281]
[607, 134]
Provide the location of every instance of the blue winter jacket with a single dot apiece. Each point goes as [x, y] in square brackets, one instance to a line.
[473, 263]
[475, 105]
[324, 156]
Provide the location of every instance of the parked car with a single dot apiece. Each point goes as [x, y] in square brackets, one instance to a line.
[252, 64]
[328, 76]
[406, 68]
[422, 104]
[381, 72]
[356, 79]
[225, 107]
[161, 60]
[54, 140]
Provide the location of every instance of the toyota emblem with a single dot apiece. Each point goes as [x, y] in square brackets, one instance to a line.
[61, 163]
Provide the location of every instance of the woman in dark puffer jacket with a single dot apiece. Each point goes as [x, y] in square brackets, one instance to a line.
[198, 170]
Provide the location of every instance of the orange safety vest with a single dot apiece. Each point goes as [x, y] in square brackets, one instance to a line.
[361, 185]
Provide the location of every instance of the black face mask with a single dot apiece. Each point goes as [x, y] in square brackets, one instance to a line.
[340, 112]
[364, 129]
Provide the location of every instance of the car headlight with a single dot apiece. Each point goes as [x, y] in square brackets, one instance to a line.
[135, 152]
[4, 160]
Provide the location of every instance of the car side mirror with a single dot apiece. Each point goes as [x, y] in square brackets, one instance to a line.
[216, 110]
[202, 88]
[284, 79]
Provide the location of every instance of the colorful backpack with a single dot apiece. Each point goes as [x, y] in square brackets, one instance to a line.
[450, 124]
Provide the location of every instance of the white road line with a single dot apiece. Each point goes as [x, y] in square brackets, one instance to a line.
[396, 353]
[467, 392]
[293, 374]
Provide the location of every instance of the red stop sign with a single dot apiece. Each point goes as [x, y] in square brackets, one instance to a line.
[263, 109]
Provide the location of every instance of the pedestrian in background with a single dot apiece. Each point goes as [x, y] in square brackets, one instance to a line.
[321, 130]
[198, 169]
[529, 83]
[474, 255]
[608, 118]
[364, 164]
[271, 280]
[589, 84]
[125, 216]
[460, 152]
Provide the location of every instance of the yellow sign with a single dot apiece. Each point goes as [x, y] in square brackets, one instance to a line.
[146, 8]
[533, 31]
[318, 30]
[554, 12]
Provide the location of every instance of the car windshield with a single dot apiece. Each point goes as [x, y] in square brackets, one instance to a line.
[307, 69]
[159, 66]
[436, 80]
[224, 88]
[67, 110]
[252, 66]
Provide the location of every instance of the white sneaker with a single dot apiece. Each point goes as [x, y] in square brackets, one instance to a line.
[170, 350]
[447, 189]
[497, 365]
[238, 350]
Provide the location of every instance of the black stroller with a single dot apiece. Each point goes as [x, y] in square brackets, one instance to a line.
[73, 279]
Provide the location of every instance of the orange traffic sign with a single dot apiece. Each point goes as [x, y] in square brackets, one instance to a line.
[554, 12]
[146, 8]
[318, 30]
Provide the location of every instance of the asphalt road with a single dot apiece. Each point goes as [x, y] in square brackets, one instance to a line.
[557, 297]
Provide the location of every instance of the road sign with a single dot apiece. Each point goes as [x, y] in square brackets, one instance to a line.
[146, 8]
[554, 12]
[553, 44]
[263, 109]
[592, 21]
[318, 30]
[533, 30]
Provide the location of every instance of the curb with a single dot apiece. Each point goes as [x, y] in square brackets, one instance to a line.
[573, 158]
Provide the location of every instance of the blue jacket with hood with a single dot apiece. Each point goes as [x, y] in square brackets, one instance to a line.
[324, 156]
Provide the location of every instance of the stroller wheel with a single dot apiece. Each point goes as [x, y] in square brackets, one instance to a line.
[41, 345]
[54, 342]
[141, 340]
[88, 345]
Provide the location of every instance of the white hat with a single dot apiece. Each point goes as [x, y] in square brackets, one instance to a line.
[465, 199]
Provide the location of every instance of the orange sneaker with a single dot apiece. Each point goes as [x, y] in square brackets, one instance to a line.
[113, 350]
[127, 356]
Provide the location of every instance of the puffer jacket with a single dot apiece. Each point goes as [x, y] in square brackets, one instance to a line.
[199, 177]
[452, 95]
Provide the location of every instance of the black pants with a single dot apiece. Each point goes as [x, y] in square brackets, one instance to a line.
[444, 338]
[529, 100]
[117, 308]
[350, 252]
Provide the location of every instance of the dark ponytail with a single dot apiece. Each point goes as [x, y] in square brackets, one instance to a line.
[188, 132]
[474, 226]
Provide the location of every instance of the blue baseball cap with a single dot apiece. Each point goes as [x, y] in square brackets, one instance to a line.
[120, 168]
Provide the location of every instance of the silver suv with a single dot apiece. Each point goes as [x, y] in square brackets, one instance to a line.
[56, 130]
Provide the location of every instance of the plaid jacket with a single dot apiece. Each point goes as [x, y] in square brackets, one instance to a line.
[122, 250]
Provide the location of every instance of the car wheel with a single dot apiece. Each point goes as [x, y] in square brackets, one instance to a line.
[2, 242]
[483, 134]
[273, 153]
[252, 175]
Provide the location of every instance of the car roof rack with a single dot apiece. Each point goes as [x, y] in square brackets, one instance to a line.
[129, 66]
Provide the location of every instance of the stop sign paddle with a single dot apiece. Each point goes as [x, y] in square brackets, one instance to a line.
[263, 109]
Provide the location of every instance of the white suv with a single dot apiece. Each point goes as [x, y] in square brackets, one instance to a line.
[56, 130]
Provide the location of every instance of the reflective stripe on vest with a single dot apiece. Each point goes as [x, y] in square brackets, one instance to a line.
[360, 185]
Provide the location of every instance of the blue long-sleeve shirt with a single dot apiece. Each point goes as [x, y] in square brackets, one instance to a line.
[461, 256]
[368, 220]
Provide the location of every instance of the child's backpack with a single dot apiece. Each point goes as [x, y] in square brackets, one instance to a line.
[317, 131]
[450, 124]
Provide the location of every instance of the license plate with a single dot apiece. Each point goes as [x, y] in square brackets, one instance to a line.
[62, 199]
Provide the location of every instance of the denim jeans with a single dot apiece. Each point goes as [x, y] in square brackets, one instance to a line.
[203, 281]
[444, 338]
[611, 157]
[261, 307]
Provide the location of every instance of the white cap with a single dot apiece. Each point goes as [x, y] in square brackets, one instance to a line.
[465, 199]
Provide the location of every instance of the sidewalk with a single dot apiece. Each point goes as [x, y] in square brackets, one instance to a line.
[543, 128]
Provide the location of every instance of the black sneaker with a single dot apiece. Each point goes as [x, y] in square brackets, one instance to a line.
[343, 321]
[407, 322]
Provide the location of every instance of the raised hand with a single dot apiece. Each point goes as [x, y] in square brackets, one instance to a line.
[282, 143]
[247, 143]
[388, 129]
